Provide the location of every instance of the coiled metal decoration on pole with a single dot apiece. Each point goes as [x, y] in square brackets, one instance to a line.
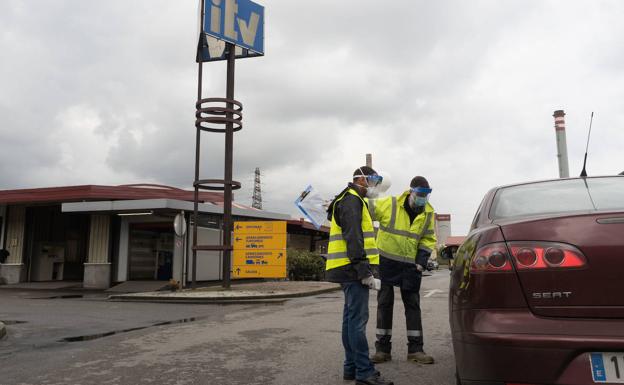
[217, 115]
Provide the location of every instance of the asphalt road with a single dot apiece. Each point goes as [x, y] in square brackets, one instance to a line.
[291, 342]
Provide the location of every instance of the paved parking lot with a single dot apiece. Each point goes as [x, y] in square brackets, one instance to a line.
[89, 340]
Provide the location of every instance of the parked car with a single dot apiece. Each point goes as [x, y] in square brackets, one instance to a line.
[432, 264]
[537, 289]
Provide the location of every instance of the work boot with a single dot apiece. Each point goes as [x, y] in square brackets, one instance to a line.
[380, 357]
[375, 379]
[348, 377]
[420, 357]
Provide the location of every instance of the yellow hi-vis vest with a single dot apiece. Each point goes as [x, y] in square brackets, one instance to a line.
[397, 238]
[337, 248]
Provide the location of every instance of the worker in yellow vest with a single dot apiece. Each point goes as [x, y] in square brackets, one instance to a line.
[405, 239]
[352, 261]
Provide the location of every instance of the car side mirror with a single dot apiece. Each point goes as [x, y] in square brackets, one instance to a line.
[446, 253]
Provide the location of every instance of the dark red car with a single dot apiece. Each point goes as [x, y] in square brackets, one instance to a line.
[537, 289]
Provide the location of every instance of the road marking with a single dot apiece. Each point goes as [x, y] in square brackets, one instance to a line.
[432, 292]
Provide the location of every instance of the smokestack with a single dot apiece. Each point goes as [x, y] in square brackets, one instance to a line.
[562, 146]
[369, 160]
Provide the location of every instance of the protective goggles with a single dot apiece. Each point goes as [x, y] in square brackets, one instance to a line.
[371, 180]
[421, 191]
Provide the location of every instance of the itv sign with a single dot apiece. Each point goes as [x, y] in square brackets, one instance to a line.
[240, 22]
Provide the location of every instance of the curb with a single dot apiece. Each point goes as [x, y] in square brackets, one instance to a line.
[222, 300]
[2, 331]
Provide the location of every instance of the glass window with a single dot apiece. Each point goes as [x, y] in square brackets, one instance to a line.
[559, 196]
[478, 215]
[607, 193]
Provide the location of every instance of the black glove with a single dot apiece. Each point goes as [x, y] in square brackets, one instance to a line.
[362, 269]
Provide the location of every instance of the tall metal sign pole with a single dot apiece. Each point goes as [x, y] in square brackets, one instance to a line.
[230, 29]
[229, 162]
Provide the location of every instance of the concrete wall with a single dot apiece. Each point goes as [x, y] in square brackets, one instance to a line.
[98, 267]
[209, 267]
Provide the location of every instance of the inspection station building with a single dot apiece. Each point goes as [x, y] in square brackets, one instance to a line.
[103, 235]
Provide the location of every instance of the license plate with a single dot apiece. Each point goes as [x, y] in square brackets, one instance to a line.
[607, 367]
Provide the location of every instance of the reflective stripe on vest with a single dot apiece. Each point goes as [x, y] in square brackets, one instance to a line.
[369, 253]
[399, 239]
[338, 237]
[337, 255]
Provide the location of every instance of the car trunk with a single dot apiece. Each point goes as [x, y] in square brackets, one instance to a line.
[593, 291]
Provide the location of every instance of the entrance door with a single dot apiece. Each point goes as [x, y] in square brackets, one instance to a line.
[151, 251]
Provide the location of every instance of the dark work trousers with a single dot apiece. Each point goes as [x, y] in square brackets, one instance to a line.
[385, 306]
[354, 318]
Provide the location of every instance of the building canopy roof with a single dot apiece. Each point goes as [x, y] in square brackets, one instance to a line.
[133, 197]
[142, 205]
[96, 193]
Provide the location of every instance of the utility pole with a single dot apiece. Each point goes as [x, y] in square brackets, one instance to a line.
[257, 193]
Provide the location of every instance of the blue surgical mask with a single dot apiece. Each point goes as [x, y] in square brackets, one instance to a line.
[419, 196]
[416, 201]
[420, 201]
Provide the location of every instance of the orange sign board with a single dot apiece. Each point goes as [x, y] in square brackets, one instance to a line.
[259, 257]
[259, 241]
[260, 227]
[259, 272]
[259, 249]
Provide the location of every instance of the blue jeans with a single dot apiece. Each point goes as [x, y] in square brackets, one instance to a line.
[354, 319]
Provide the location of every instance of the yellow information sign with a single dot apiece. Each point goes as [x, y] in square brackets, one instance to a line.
[259, 241]
[259, 272]
[260, 257]
[264, 227]
[259, 249]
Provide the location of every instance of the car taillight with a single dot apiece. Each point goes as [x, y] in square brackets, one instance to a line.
[546, 255]
[491, 258]
[526, 257]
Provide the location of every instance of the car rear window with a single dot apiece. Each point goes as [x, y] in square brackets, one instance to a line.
[560, 196]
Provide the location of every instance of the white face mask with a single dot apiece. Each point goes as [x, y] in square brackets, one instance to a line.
[372, 186]
[372, 192]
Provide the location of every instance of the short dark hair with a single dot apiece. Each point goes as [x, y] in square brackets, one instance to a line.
[364, 170]
[419, 181]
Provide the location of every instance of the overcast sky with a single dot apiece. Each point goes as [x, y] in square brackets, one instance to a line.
[461, 92]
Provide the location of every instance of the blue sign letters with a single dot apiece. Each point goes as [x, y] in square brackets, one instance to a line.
[240, 22]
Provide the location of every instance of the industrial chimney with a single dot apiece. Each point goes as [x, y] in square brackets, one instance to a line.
[369, 160]
[562, 146]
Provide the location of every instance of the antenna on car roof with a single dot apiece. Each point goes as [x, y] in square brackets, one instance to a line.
[583, 172]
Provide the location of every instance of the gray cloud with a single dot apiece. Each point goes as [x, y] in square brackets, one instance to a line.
[461, 92]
